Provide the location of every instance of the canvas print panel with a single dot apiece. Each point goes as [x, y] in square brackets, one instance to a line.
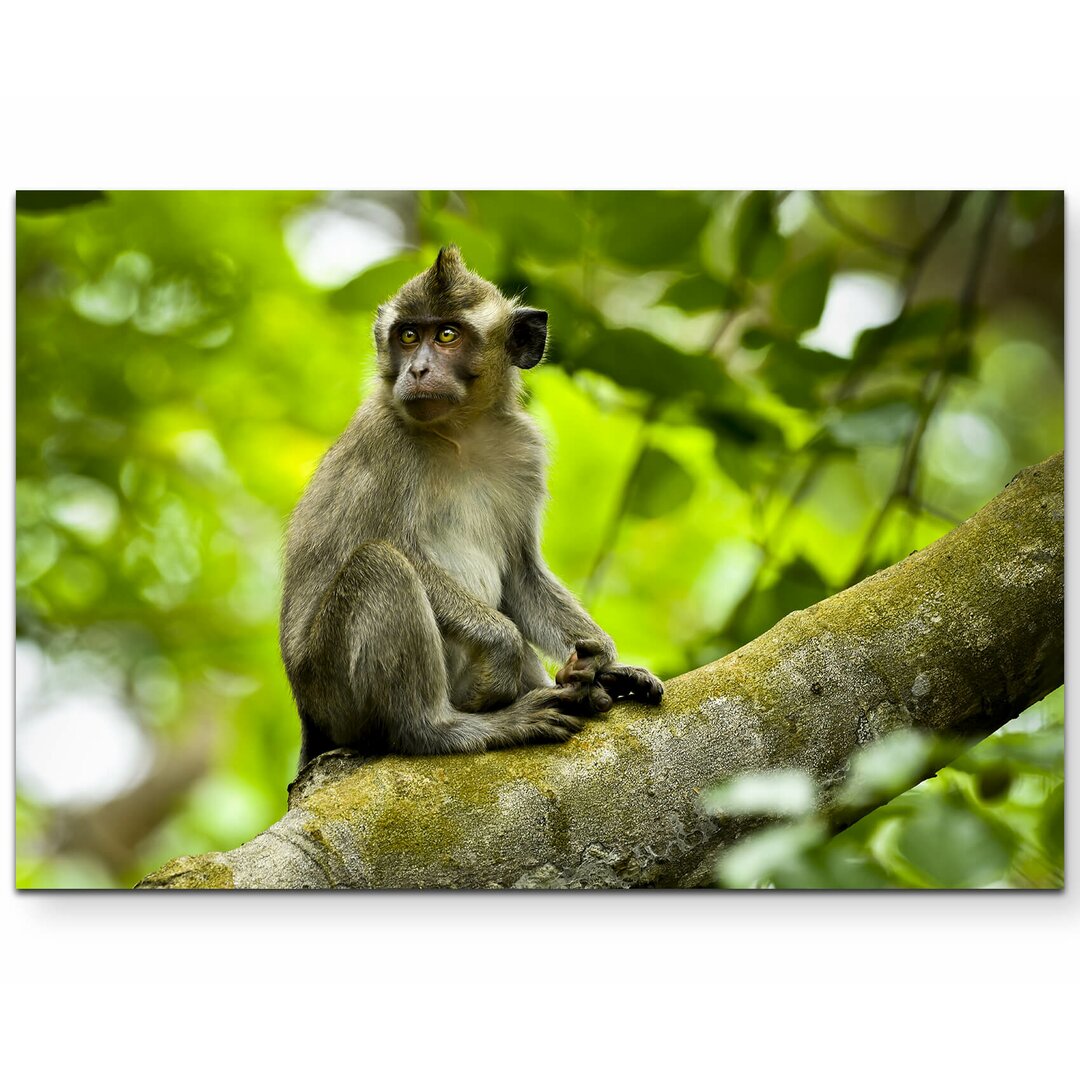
[657, 539]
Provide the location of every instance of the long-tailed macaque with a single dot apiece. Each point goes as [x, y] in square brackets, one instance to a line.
[414, 585]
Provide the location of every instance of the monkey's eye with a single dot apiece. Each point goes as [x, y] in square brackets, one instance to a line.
[408, 336]
[446, 334]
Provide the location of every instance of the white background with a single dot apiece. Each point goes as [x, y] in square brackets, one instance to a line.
[675, 95]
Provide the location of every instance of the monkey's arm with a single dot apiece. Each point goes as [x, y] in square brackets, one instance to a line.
[547, 612]
[550, 616]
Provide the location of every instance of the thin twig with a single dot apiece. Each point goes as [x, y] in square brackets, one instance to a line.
[915, 258]
[914, 264]
[722, 328]
[933, 386]
[920, 254]
[856, 232]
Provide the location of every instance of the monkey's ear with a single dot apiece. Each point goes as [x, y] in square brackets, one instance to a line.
[528, 336]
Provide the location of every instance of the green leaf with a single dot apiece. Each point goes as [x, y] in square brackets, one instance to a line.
[53, 202]
[741, 426]
[542, 224]
[910, 332]
[1052, 830]
[649, 228]
[955, 847]
[834, 865]
[887, 767]
[799, 374]
[748, 445]
[873, 424]
[661, 485]
[377, 283]
[701, 292]
[776, 793]
[1031, 205]
[1029, 751]
[800, 296]
[480, 248]
[758, 337]
[799, 587]
[639, 361]
[993, 782]
[758, 247]
[766, 852]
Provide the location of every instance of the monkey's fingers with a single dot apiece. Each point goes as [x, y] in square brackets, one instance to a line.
[621, 680]
[578, 669]
[568, 672]
[587, 648]
[599, 699]
[581, 698]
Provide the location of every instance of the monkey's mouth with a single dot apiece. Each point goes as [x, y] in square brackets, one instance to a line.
[429, 408]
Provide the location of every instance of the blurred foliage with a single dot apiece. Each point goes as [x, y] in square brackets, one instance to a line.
[752, 399]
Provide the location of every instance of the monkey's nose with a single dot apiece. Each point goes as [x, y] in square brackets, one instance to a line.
[418, 371]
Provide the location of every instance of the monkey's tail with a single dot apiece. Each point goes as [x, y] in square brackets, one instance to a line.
[313, 742]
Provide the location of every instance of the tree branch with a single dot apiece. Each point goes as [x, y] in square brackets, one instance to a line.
[955, 640]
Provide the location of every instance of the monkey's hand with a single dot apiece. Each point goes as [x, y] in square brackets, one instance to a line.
[591, 666]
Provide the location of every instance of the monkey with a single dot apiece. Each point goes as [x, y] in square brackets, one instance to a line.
[416, 600]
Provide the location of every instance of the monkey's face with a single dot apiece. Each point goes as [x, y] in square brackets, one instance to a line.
[434, 364]
[449, 340]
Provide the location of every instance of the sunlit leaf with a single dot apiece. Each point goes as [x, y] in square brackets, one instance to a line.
[1041, 750]
[777, 793]
[885, 768]
[799, 587]
[480, 248]
[748, 445]
[831, 866]
[767, 851]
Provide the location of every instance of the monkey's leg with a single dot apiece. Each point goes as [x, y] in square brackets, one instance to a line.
[379, 655]
[533, 675]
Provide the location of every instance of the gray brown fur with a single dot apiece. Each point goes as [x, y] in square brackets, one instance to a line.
[414, 584]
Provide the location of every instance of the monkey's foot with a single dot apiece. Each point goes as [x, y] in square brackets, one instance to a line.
[550, 714]
[607, 680]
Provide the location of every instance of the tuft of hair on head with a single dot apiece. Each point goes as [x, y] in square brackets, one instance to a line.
[448, 265]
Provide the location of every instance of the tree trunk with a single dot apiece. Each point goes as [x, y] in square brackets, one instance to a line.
[955, 640]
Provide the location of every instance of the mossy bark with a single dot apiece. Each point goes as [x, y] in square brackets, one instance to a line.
[955, 640]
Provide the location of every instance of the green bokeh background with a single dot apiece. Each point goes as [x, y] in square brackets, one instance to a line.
[752, 399]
